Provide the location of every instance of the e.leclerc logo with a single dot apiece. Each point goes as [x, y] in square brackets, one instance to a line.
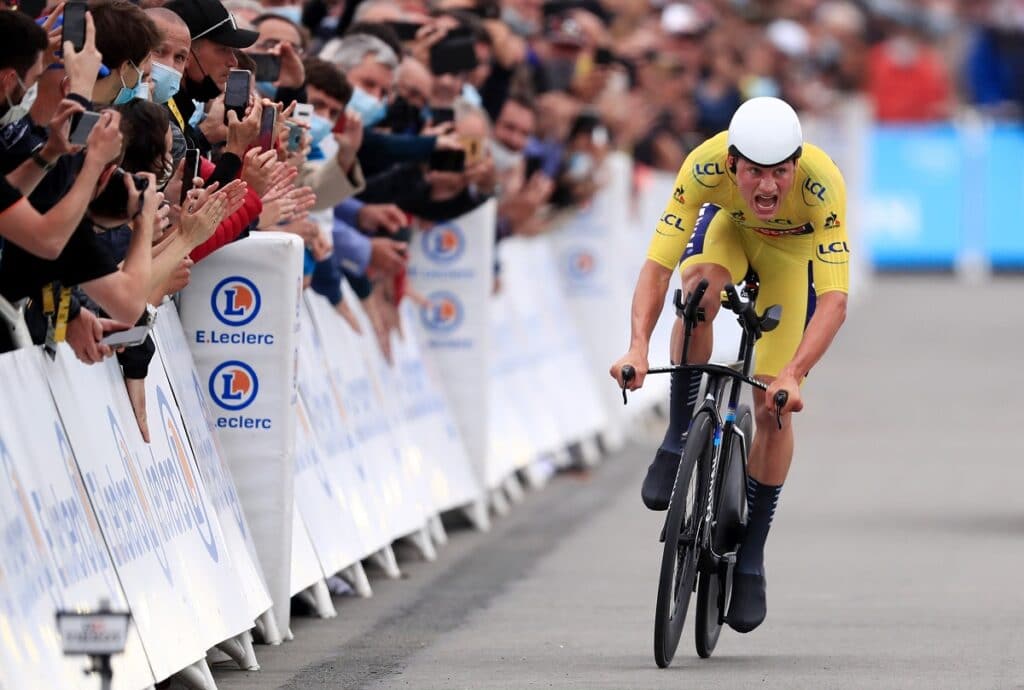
[234, 386]
[443, 312]
[580, 264]
[235, 301]
[444, 243]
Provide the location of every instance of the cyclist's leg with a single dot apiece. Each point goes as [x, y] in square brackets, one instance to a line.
[712, 246]
[785, 280]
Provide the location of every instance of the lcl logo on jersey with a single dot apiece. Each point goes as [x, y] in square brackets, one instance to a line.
[444, 243]
[443, 312]
[834, 253]
[581, 264]
[233, 385]
[235, 301]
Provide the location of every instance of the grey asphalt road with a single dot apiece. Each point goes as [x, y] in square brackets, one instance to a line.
[896, 559]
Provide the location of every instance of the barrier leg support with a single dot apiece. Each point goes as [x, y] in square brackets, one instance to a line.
[266, 627]
[385, 558]
[499, 503]
[421, 540]
[590, 452]
[563, 459]
[513, 489]
[476, 513]
[355, 576]
[320, 598]
[437, 532]
[538, 472]
[239, 648]
[197, 676]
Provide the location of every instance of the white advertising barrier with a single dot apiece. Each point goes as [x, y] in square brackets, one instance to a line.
[54, 555]
[358, 493]
[208, 558]
[240, 314]
[530, 279]
[429, 419]
[525, 425]
[139, 525]
[452, 265]
[396, 507]
[589, 250]
[305, 569]
[180, 369]
[322, 503]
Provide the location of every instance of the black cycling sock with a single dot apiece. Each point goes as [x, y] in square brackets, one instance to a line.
[682, 397]
[761, 502]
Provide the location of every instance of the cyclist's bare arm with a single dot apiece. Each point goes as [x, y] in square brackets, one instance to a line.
[648, 301]
[829, 314]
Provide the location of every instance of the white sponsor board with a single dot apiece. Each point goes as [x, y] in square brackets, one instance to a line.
[305, 569]
[54, 555]
[240, 315]
[177, 362]
[452, 265]
[139, 526]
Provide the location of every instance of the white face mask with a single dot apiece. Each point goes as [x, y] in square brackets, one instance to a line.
[504, 158]
[16, 112]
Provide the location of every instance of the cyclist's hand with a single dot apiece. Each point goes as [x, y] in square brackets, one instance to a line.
[788, 383]
[639, 362]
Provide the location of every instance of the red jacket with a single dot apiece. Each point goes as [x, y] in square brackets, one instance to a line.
[232, 226]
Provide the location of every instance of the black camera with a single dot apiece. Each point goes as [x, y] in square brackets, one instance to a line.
[112, 202]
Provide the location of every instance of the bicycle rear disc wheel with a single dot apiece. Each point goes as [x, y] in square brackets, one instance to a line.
[679, 557]
[707, 627]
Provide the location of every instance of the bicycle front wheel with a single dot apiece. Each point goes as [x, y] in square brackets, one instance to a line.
[682, 544]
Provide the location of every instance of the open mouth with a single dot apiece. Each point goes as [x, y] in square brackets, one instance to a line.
[765, 203]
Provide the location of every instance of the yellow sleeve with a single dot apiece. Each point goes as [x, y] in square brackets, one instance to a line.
[831, 248]
[688, 194]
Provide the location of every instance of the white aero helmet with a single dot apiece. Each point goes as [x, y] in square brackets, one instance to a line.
[765, 131]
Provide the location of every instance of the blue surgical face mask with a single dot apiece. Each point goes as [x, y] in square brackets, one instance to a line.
[319, 128]
[140, 90]
[471, 95]
[166, 82]
[267, 89]
[292, 13]
[369, 108]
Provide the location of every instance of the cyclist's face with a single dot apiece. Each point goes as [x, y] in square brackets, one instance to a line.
[764, 188]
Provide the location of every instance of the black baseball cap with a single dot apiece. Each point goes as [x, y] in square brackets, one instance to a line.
[209, 19]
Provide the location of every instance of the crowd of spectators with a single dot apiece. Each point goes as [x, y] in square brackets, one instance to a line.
[391, 114]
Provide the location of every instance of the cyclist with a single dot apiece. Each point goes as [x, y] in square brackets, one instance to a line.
[754, 197]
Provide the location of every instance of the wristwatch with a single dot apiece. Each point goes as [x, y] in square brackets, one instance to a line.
[38, 159]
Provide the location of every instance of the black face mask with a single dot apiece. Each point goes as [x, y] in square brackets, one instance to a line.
[403, 117]
[205, 90]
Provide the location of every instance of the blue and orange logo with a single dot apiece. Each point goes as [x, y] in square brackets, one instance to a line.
[233, 385]
[443, 312]
[444, 243]
[580, 263]
[235, 301]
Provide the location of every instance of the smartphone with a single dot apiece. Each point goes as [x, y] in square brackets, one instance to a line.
[268, 121]
[533, 164]
[74, 24]
[236, 93]
[189, 172]
[474, 149]
[340, 124]
[604, 56]
[406, 30]
[127, 338]
[448, 160]
[303, 113]
[80, 133]
[268, 66]
[453, 55]
[294, 136]
[438, 116]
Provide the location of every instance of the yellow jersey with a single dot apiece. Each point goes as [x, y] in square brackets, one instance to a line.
[810, 222]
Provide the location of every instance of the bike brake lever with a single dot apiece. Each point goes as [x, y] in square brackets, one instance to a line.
[780, 401]
[628, 374]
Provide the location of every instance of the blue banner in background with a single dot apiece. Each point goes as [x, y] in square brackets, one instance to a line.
[937, 195]
[915, 197]
[1003, 188]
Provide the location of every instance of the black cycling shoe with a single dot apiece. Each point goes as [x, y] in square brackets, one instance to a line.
[748, 606]
[661, 475]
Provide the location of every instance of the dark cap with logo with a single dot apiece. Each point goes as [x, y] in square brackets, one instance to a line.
[209, 19]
